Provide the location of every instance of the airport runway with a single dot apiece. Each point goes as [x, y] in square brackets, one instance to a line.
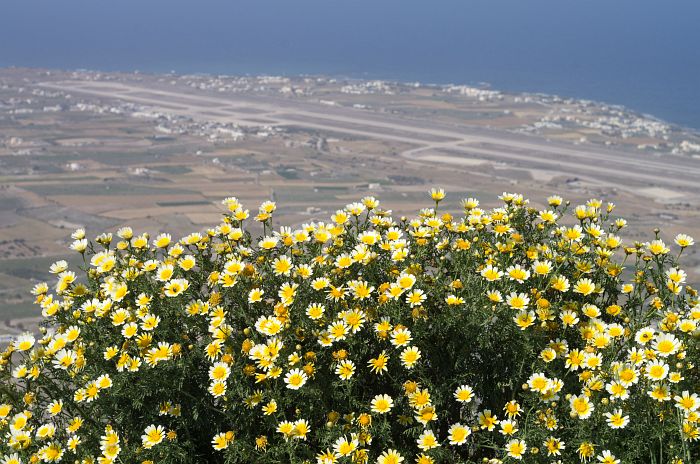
[623, 169]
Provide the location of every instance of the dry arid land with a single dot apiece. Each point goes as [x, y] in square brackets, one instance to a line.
[159, 152]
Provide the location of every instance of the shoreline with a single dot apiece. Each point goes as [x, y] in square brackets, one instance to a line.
[371, 77]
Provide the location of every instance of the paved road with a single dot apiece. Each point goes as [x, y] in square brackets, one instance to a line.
[625, 169]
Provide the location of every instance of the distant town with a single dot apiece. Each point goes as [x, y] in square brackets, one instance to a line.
[597, 122]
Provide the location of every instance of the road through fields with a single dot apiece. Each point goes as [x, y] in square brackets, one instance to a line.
[623, 169]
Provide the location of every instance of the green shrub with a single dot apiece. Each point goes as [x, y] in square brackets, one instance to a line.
[510, 334]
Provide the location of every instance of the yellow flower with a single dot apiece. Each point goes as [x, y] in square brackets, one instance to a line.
[379, 364]
[409, 356]
[519, 301]
[608, 458]
[152, 436]
[494, 296]
[554, 446]
[491, 273]
[345, 369]
[52, 453]
[222, 440]
[390, 456]
[508, 427]
[464, 394]
[666, 344]
[268, 243]
[687, 402]
[684, 241]
[524, 319]
[382, 404]
[162, 240]
[581, 406]
[401, 336]
[616, 420]
[516, 448]
[518, 273]
[437, 194]
[584, 287]
[345, 447]
[427, 440]
[315, 311]
[301, 429]
[295, 379]
[457, 434]
[175, 287]
[487, 420]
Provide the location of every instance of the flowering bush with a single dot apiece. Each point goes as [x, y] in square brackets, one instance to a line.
[506, 335]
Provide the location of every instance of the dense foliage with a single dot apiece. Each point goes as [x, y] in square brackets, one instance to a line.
[510, 334]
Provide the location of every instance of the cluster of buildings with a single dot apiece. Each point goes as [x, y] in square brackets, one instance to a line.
[164, 123]
[687, 147]
[370, 88]
[482, 95]
[611, 123]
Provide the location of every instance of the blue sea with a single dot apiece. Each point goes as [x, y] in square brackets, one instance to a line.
[644, 54]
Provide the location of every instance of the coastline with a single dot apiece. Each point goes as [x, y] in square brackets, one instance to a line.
[256, 71]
